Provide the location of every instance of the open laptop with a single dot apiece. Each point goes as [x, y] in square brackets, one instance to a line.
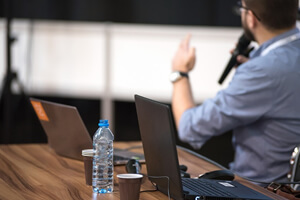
[68, 135]
[157, 131]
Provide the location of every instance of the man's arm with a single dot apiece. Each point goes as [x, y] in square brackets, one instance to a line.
[183, 61]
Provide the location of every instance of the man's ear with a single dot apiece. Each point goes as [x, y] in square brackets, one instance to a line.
[251, 20]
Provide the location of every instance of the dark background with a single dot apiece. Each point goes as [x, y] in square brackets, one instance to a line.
[168, 12]
[26, 127]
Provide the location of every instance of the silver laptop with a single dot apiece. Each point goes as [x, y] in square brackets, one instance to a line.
[158, 131]
[67, 134]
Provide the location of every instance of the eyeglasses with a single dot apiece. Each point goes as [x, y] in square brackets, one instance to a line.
[241, 8]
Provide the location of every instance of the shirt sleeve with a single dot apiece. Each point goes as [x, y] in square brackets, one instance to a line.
[247, 98]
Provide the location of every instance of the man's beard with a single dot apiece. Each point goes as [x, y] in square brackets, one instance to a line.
[247, 32]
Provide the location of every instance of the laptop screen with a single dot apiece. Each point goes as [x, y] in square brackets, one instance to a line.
[157, 133]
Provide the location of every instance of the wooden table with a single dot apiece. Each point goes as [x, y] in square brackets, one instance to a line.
[34, 171]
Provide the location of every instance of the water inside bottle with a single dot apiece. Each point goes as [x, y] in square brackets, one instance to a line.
[103, 166]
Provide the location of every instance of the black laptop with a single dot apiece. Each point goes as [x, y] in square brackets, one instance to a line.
[67, 134]
[158, 131]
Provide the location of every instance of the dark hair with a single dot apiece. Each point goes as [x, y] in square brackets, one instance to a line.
[275, 14]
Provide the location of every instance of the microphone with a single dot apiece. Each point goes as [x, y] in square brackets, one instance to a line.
[241, 48]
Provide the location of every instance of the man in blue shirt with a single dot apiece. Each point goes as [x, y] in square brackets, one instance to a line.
[262, 102]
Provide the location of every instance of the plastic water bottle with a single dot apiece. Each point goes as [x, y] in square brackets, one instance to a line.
[103, 159]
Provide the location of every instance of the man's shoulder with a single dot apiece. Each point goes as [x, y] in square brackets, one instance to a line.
[256, 65]
[274, 63]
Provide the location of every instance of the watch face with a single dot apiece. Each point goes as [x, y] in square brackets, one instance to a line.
[174, 76]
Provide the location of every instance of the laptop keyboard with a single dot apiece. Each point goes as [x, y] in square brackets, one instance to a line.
[204, 187]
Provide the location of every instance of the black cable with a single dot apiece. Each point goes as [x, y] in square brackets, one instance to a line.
[156, 189]
[222, 167]
[159, 177]
[202, 157]
[285, 183]
[267, 183]
[255, 181]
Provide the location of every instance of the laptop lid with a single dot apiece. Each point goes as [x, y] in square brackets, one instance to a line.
[157, 131]
[64, 128]
[67, 133]
[159, 145]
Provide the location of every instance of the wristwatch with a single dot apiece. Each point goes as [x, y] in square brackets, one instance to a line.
[177, 75]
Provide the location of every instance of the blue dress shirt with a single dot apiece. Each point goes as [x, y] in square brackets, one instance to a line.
[262, 107]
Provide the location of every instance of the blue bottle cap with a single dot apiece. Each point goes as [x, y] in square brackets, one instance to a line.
[103, 123]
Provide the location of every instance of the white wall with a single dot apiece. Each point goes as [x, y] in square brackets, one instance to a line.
[88, 59]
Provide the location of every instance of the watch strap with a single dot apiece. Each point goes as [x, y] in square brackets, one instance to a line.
[177, 75]
[183, 74]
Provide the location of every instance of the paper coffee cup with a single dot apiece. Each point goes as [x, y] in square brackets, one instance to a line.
[87, 155]
[129, 186]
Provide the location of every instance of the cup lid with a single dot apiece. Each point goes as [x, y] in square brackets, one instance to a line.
[130, 176]
[87, 152]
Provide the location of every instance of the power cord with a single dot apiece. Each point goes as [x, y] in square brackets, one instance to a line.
[202, 157]
[156, 189]
[224, 168]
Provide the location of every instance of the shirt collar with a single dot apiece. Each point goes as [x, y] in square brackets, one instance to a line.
[262, 47]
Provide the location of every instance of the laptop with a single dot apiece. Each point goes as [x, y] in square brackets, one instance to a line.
[67, 134]
[157, 131]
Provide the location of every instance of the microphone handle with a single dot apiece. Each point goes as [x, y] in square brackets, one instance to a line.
[230, 65]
